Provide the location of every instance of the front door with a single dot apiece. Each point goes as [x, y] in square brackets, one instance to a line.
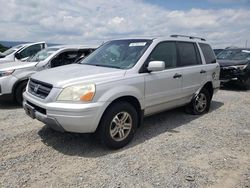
[162, 87]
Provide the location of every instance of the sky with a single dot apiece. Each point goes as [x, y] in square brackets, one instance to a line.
[222, 22]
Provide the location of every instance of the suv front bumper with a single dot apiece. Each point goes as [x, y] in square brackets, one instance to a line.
[70, 117]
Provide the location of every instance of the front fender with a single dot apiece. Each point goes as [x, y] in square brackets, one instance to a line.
[122, 91]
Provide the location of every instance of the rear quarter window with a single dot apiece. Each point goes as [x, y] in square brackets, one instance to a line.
[188, 54]
[208, 53]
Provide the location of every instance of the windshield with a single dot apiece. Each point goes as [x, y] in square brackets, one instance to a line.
[43, 54]
[228, 54]
[244, 54]
[11, 50]
[121, 54]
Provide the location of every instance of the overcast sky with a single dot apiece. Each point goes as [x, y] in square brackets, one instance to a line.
[222, 22]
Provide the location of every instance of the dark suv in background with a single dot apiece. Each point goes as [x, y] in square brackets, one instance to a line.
[235, 66]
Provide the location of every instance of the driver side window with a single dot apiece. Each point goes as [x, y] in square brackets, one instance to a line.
[165, 51]
[30, 51]
[64, 58]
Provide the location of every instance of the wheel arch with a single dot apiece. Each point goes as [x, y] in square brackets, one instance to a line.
[209, 87]
[26, 79]
[134, 101]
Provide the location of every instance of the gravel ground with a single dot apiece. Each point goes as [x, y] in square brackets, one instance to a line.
[171, 149]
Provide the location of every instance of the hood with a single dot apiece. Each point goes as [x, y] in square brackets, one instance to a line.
[15, 65]
[77, 73]
[226, 63]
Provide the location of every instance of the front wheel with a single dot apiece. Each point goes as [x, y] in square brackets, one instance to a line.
[19, 92]
[246, 83]
[200, 104]
[118, 125]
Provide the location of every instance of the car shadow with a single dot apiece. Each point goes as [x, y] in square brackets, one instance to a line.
[7, 104]
[233, 87]
[87, 145]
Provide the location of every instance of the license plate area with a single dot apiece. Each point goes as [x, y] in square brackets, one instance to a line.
[30, 111]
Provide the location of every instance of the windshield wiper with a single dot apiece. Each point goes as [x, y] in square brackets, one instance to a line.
[101, 65]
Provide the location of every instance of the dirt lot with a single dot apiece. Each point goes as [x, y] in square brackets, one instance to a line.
[171, 149]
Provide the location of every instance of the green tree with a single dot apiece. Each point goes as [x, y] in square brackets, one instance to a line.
[3, 48]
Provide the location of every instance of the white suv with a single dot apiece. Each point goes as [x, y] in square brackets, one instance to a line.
[121, 82]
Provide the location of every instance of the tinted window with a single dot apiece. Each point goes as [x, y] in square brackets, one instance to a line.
[208, 53]
[65, 58]
[30, 51]
[165, 51]
[188, 54]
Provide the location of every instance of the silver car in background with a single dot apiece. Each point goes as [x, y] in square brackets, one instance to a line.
[21, 52]
[15, 75]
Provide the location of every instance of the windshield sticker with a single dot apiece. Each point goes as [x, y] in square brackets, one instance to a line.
[246, 51]
[137, 44]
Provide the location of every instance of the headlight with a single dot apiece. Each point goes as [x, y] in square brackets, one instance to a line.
[79, 92]
[240, 67]
[6, 73]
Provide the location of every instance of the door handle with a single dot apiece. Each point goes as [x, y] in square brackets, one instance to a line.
[203, 71]
[177, 75]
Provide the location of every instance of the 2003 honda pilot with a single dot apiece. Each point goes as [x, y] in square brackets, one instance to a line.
[111, 90]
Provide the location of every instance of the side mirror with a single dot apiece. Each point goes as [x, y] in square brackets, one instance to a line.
[18, 56]
[156, 66]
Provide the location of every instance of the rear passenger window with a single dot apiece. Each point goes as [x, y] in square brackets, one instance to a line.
[188, 54]
[165, 51]
[208, 53]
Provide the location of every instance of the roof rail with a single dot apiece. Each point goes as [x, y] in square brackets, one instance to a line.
[190, 37]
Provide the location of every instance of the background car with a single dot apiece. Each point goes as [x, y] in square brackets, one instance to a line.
[21, 52]
[14, 75]
[235, 66]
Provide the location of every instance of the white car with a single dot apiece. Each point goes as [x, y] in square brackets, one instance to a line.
[21, 52]
[15, 75]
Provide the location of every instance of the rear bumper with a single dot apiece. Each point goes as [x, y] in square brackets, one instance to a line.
[70, 117]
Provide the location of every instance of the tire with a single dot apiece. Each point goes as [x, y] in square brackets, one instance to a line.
[200, 104]
[245, 84]
[113, 122]
[20, 89]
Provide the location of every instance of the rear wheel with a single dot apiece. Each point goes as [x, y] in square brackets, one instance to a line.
[20, 89]
[200, 104]
[118, 125]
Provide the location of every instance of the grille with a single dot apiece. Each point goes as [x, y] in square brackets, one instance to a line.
[227, 73]
[39, 89]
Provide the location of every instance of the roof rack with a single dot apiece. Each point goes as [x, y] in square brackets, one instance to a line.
[190, 37]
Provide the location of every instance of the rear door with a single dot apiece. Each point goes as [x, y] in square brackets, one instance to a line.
[193, 73]
[212, 68]
[162, 87]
